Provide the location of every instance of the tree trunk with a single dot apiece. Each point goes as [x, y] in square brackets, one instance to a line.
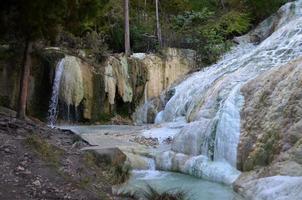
[26, 64]
[127, 31]
[222, 4]
[158, 29]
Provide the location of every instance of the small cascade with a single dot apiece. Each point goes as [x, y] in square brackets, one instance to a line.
[53, 106]
[151, 163]
[210, 100]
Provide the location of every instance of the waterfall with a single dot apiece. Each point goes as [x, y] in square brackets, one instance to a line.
[210, 100]
[53, 106]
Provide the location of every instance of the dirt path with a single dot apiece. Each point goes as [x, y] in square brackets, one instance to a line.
[37, 162]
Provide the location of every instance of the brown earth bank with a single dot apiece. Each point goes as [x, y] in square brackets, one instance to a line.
[38, 162]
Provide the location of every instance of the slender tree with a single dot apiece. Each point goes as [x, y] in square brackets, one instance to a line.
[127, 29]
[23, 92]
[34, 20]
[222, 4]
[158, 29]
[30, 21]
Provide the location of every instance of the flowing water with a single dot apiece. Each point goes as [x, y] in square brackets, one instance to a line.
[210, 101]
[202, 118]
[53, 106]
[194, 188]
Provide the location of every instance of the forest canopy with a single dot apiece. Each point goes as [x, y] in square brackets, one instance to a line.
[97, 25]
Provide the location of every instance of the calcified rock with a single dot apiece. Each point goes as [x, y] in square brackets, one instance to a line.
[72, 88]
[210, 102]
[122, 74]
[271, 138]
[76, 85]
[110, 81]
[275, 187]
[117, 77]
[89, 92]
[162, 72]
[88, 86]
[198, 166]
[272, 117]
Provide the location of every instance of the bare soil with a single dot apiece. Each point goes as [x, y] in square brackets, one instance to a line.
[37, 162]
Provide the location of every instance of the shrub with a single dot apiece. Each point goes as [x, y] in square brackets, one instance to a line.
[262, 9]
[152, 194]
[95, 44]
[234, 23]
[120, 173]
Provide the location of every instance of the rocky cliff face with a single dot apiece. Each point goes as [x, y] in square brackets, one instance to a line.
[42, 70]
[88, 93]
[9, 79]
[271, 135]
[162, 73]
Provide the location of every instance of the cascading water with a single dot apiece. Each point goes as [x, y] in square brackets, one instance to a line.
[210, 100]
[53, 106]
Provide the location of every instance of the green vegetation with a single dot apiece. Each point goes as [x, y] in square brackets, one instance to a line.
[262, 9]
[4, 101]
[120, 173]
[93, 28]
[94, 160]
[268, 147]
[105, 118]
[45, 150]
[152, 194]
[97, 25]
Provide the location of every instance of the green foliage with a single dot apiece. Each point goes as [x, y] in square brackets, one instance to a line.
[213, 45]
[190, 19]
[4, 101]
[110, 23]
[152, 194]
[196, 5]
[105, 118]
[216, 35]
[210, 34]
[95, 44]
[204, 25]
[175, 6]
[262, 9]
[94, 160]
[120, 173]
[37, 19]
[82, 15]
[142, 41]
[32, 20]
[46, 151]
[234, 23]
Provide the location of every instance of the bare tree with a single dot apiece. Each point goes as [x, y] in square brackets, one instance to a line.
[158, 29]
[127, 30]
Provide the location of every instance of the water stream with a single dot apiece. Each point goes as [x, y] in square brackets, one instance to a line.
[202, 118]
[209, 101]
[194, 188]
[53, 106]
